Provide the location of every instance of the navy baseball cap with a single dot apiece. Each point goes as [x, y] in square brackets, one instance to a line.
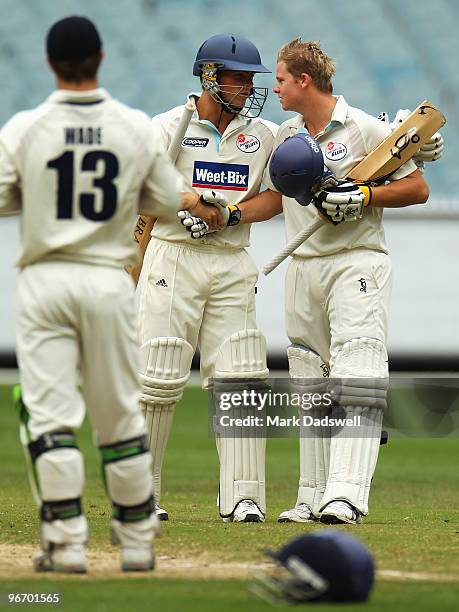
[343, 563]
[73, 38]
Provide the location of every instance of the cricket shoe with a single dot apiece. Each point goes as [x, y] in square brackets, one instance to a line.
[340, 512]
[135, 559]
[301, 513]
[69, 558]
[162, 514]
[246, 511]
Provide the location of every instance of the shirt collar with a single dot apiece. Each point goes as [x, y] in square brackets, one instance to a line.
[339, 115]
[73, 96]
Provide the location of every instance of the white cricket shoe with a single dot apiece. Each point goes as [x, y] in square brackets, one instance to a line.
[137, 559]
[162, 514]
[301, 513]
[339, 512]
[69, 558]
[246, 511]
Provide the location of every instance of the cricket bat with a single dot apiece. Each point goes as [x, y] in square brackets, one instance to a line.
[379, 164]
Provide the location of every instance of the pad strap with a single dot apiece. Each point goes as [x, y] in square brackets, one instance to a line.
[60, 510]
[51, 441]
[130, 514]
[123, 450]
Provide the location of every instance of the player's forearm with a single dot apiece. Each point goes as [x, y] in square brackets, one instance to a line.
[261, 207]
[142, 235]
[407, 191]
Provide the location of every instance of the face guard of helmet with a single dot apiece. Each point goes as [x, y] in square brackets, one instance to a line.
[327, 565]
[230, 52]
[296, 167]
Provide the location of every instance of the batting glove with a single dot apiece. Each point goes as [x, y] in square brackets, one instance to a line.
[341, 200]
[429, 152]
[198, 227]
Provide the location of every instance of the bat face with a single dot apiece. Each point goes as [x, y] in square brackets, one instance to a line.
[401, 145]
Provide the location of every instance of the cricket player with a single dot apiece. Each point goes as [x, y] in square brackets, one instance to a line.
[78, 168]
[338, 283]
[202, 291]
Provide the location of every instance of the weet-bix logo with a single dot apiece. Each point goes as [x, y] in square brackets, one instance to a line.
[212, 175]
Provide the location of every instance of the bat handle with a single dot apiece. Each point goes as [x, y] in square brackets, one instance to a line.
[291, 246]
[176, 143]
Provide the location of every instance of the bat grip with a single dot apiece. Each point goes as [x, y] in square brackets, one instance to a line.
[291, 246]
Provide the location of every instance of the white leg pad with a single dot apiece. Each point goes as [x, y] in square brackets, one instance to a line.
[354, 452]
[60, 475]
[242, 460]
[308, 372]
[129, 481]
[158, 419]
[165, 370]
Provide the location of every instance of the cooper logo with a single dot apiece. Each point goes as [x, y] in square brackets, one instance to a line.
[335, 151]
[195, 142]
[247, 143]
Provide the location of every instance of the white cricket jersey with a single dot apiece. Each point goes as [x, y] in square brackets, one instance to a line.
[79, 167]
[346, 140]
[232, 163]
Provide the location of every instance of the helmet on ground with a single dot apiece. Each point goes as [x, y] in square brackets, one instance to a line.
[230, 52]
[295, 165]
[326, 565]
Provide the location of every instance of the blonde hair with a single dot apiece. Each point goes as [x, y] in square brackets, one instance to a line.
[307, 56]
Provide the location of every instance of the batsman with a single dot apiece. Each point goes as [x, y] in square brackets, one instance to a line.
[198, 289]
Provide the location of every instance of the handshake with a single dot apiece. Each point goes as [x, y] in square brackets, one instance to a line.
[209, 222]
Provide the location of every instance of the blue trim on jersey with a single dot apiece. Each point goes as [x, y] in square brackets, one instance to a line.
[216, 133]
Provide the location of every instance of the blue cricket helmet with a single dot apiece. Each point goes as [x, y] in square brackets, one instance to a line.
[295, 165]
[326, 565]
[230, 52]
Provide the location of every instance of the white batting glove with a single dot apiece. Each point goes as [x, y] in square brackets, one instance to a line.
[340, 200]
[429, 152]
[196, 226]
[217, 199]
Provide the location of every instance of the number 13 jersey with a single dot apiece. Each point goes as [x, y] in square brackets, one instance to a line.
[79, 167]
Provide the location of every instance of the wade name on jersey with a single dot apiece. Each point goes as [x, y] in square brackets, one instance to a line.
[214, 175]
[83, 135]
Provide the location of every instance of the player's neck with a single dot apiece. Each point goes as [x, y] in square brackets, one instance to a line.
[81, 86]
[210, 110]
[317, 111]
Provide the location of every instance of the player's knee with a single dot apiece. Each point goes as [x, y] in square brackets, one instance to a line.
[165, 365]
[361, 357]
[127, 468]
[59, 469]
[242, 355]
[360, 370]
[303, 362]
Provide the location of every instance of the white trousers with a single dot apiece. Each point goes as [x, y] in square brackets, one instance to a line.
[201, 296]
[335, 298]
[76, 323]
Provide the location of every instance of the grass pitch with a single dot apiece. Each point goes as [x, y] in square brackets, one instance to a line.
[413, 526]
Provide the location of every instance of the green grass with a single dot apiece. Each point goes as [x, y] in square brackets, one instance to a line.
[413, 523]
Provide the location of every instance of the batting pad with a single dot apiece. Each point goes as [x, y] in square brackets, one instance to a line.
[158, 420]
[309, 374]
[354, 450]
[242, 459]
[164, 369]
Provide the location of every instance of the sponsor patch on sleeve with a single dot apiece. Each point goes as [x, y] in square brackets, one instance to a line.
[213, 175]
